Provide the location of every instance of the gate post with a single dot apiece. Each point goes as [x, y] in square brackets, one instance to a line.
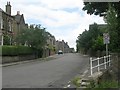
[105, 61]
[109, 60]
[98, 64]
[91, 66]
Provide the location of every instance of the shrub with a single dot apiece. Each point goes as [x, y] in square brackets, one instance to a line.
[108, 84]
[75, 81]
[38, 52]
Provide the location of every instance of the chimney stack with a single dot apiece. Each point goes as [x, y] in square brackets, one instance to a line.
[18, 12]
[8, 8]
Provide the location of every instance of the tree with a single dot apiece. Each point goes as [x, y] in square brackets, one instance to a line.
[90, 40]
[113, 30]
[34, 36]
[111, 12]
[98, 44]
[100, 8]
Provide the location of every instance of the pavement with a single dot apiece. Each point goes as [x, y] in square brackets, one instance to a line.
[85, 78]
[83, 81]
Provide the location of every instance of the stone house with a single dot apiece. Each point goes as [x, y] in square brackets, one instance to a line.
[50, 47]
[62, 45]
[72, 50]
[1, 27]
[10, 25]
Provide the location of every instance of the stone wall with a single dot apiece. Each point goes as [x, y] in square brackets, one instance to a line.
[116, 64]
[9, 59]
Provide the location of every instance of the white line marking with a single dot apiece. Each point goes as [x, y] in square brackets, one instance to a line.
[68, 85]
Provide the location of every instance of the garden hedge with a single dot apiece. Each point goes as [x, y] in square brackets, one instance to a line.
[16, 50]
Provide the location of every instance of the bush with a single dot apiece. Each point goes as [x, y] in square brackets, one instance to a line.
[108, 84]
[38, 52]
[16, 50]
[75, 81]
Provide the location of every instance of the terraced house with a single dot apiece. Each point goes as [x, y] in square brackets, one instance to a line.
[10, 25]
[62, 45]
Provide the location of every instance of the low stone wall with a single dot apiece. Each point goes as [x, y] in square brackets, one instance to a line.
[9, 59]
[116, 64]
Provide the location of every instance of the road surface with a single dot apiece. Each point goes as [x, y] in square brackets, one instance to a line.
[54, 73]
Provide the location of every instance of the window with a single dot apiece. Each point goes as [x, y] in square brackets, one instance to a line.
[9, 23]
[1, 24]
[1, 40]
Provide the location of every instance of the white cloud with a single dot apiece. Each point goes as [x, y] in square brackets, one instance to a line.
[61, 4]
[52, 15]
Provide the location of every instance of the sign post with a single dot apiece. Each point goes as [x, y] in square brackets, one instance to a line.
[106, 49]
[106, 39]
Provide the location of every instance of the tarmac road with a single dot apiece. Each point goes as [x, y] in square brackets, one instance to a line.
[55, 73]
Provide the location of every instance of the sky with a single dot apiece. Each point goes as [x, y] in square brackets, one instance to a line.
[64, 19]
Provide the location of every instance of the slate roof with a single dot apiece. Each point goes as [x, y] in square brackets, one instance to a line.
[18, 18]
[1, 10]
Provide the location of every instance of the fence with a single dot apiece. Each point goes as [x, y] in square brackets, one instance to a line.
[103, 61]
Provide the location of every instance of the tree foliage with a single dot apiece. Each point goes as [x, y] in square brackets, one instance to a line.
[91, 39]
[34, 36]
[113, 28]
[100, 8]
[111, 13]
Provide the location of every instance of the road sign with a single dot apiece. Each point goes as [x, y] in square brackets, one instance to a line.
[106, 38]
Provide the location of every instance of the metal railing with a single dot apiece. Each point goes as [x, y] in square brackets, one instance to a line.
[105, 62]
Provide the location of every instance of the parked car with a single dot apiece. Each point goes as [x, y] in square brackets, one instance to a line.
[60, 52]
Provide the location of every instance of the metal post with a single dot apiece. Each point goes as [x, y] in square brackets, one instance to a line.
[105, 61]
[106, 49]
[91, 66]
[109, 60]
[98, 64]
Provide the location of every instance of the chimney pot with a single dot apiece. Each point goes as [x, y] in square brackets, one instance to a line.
[8, 3]
[18, 12]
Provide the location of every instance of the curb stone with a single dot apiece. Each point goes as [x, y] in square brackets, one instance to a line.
[28, 61]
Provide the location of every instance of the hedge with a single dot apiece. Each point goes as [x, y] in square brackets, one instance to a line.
[25, 50]
[16, 50]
